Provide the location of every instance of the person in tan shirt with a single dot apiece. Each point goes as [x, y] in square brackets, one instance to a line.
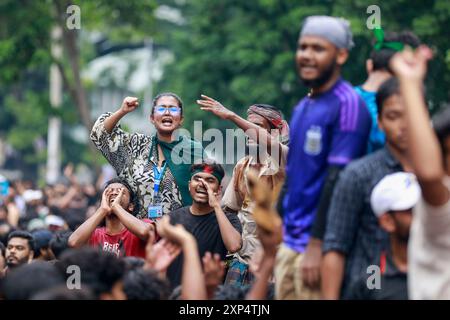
[267, 131]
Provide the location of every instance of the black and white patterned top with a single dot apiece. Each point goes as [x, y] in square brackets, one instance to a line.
[129, 155]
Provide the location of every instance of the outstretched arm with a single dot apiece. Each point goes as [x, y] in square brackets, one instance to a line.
[255, 132]
[426, 156]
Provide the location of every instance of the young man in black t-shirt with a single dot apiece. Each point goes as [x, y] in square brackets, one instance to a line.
[214, 230]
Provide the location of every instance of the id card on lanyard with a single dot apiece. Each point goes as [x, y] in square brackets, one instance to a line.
[155, 210]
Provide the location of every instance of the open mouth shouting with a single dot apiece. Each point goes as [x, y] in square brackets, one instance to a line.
[112, 198]
[167, 122]
[201, 191]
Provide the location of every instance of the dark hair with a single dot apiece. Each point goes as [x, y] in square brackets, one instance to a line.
[167, 94]
[24, 235]
[59, 242]
[2, 249]
[133, 197]
[441, 125]
[143, 284]
[74, 217]
[4, 233]
[99, 270]
[387, 89]
[381, 58]
[42, 240]
[61, 292]
[132, 263]
[266, 106]
[210, 163]
[28, 279]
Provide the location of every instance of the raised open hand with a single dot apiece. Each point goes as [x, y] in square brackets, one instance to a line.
[117, 201]
[160, 255]
[213, 269]
[176, 234]
[214, 106]
[105, 201]
[411, 64]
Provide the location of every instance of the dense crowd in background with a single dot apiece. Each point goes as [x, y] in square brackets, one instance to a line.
[350, 200]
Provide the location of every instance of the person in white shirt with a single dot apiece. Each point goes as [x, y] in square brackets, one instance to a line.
[429, 246]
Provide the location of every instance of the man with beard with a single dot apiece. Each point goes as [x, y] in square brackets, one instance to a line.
[392, 201]
[123, 233]
[19, 249]
[214, 230]
[329, 128]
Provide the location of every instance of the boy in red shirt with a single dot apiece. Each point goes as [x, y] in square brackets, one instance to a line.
[123, 233]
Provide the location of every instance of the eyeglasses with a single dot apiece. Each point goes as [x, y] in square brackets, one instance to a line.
[161, 109]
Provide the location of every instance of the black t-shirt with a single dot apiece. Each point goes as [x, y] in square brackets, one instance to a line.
[393, 285]
[205, 230]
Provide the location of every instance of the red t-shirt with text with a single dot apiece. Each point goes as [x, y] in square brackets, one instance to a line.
[123, 244]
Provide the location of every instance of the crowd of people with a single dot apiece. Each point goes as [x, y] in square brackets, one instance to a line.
[350, 200]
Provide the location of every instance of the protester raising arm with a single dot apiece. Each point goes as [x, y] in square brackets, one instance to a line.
[426, 156]
[192, 282]
[255, 132]
[129, 104]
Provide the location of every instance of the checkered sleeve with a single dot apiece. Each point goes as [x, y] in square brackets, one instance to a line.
[344, 213]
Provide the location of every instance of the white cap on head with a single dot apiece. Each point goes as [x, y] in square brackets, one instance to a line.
[52, 220]
[395, 192]
[31, 195]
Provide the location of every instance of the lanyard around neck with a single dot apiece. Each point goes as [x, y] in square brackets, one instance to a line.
[158, 175]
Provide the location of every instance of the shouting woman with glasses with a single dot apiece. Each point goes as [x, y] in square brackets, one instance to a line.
[157, 166]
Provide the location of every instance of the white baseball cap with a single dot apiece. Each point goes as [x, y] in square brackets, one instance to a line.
[395, 192]
[31, 195]
[52, 220]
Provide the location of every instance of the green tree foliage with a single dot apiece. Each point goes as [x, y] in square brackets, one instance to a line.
[25, 59]
[242, 52]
